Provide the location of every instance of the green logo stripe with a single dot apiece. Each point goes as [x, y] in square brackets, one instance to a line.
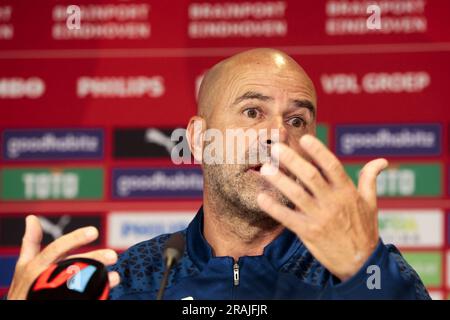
[52, 184]
[428, 265]
[323, 134]
[405, 180]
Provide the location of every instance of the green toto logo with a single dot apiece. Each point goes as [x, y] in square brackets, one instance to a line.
[51, 184]
[322, 133]
[428, 265]
[405, 180]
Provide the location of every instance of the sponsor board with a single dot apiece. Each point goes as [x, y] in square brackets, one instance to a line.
[412, 228]
[405, 179]
[237, 20]
[148, 183]
[121, 21]
[428, 265]
[144, 142]
[128, 228]
[160, 142]
[58, 183]
[7, 265]
[22, 88]
[53, 226]
[120, 87]
[323, 134]
[448, 229]
[223, 24]
[448, 269]
[344, 18]
[375, 82]
[52, 144]
[436, 295]
[388, 140]
[6, 28]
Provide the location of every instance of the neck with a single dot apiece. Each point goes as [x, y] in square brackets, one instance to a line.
[230, 235]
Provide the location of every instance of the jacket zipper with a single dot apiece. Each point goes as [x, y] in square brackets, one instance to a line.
[236, 274]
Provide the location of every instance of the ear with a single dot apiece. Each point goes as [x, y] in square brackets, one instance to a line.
[195, 137]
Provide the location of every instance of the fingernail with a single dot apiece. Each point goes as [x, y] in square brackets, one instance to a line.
[268, 169]
[29, 218]
[306, 140]
[110, 255]
[275, 151]
[91, 232]
[113, 278]
[27, 221]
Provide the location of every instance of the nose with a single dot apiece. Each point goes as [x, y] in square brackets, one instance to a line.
[276, 132]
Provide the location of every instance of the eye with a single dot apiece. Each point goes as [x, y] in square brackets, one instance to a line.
[296, 122]
[252, 113]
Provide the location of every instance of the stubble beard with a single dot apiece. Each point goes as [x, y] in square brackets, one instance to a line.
[234, 189]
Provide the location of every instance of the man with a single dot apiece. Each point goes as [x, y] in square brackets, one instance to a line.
[304, 231]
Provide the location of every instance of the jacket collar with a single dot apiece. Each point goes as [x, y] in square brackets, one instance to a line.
[277, 252]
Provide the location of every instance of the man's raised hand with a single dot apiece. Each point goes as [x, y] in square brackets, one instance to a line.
[336, 221]
[32, 261]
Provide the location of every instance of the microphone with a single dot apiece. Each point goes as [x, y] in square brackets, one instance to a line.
[173, 251]
[72, 279]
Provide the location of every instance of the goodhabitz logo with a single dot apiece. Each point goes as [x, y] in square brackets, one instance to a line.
[52, 144]
[389, 140]
[7, 266]
[144, 183]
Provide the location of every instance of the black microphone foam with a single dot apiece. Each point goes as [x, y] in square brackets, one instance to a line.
[174, 248]
[173, 251]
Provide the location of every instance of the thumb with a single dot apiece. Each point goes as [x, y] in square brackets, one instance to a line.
[367, 185]
[31, 242]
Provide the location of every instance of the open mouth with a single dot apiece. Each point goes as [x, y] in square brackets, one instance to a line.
[256, 168]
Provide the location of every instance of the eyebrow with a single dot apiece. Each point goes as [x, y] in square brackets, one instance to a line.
[249, 95]
[299, 103]
[303, 103]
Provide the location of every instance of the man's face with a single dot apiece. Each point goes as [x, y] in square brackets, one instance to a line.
[272, 98]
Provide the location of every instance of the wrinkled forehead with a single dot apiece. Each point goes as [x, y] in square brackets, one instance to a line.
[269, 77]
[269, 70]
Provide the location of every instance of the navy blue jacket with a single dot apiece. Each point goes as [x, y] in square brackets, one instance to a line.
[286, 270]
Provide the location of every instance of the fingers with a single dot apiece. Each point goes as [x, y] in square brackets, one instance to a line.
[295, 192]
[114, 278]
[31, 242]
[301, 168]
[325, 159]
[64, 244]
[106, 256]
[293, 220]
[367, 184]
